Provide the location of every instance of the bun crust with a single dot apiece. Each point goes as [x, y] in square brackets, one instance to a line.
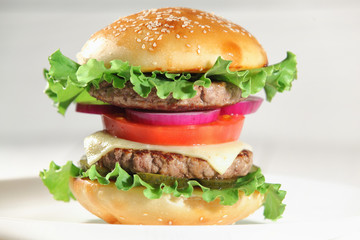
[175, 40]
[132, 207]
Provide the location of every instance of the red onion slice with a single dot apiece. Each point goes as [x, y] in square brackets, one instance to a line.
[97, 109]
[174, 118]
[249, 105]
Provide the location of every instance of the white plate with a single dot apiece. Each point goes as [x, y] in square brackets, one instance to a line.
[315, 210]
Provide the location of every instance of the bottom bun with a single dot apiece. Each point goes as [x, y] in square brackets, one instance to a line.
[132, 207]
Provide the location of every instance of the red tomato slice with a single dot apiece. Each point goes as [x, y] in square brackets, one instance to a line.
[225, 129]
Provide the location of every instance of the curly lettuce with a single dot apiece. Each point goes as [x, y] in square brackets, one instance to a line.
[69, 82]
[56, 179]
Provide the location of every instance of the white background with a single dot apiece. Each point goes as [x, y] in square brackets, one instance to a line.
[312, 132]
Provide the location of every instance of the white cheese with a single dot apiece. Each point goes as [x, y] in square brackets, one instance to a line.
[219, 156]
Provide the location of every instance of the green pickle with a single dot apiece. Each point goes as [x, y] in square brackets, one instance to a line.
[218, 183]
[157, 179]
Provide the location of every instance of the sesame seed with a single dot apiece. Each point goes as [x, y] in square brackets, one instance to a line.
[170, 222]
[201, 218]
[159, 219]
[157, 22]
[225, 216]
[145, 214]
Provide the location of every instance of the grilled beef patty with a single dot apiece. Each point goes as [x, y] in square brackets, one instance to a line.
[219, 94]
[173, 164]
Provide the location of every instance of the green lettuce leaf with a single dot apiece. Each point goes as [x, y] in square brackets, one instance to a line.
[62, 85]
[274, 78]
[69, 82]
[57, 181]
[273, 206]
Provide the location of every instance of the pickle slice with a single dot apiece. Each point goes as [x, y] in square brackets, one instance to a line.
[218, 183]
[222, 183]
[157, 179]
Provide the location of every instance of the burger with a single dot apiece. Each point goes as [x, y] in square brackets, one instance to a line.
[172, 86]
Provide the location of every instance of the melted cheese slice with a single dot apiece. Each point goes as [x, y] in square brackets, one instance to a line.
[219, 156]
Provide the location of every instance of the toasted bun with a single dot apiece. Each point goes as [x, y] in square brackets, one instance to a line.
[175, 40]
[132, 207]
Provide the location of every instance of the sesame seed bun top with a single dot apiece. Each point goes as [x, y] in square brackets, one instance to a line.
[175, 40]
